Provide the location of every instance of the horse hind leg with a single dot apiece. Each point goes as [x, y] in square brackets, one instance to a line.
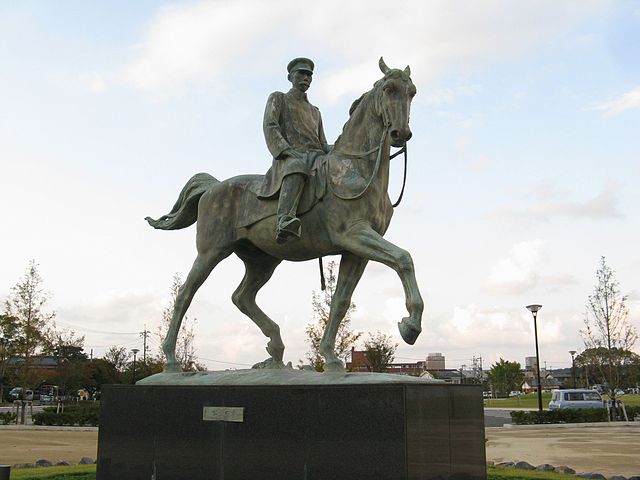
[202, 267]
[259, 268]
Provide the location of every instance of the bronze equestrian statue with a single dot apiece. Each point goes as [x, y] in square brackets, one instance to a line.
[344, 209]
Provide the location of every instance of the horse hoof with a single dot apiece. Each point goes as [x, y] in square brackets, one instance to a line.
[334, 367]
[276, 352]
[408, 331]
[270, 363]
[172, 368]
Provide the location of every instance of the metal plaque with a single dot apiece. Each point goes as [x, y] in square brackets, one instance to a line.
[223, 414]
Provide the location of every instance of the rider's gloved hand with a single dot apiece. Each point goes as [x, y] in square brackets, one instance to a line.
[290, 152]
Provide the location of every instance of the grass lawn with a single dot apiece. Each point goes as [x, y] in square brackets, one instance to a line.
[73, 472]
[497, 473]
[88, 472]
[531, 401]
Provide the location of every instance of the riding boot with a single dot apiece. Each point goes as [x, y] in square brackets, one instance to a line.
[290, 193]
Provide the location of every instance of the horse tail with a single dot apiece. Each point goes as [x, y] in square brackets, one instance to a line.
[185, 212]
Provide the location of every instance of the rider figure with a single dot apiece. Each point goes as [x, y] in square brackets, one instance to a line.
[295, 137]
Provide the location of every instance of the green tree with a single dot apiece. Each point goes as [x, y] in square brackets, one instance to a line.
[593, 361]
[607, 330]
[26, 303]
[504, 377]
[379, 349]
[118, 357]
[8, 333]
[185, 345]
[345, 338]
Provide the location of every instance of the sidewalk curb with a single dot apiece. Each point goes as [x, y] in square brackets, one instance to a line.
[572, 425]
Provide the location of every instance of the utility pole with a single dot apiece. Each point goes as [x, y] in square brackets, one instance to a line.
[144, 335]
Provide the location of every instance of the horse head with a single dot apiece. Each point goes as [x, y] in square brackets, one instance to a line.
[395, 92]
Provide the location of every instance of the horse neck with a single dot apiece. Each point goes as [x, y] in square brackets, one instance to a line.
[363, 133]
[363, 130]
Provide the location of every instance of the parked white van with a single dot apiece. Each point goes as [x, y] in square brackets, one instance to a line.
[575, 398]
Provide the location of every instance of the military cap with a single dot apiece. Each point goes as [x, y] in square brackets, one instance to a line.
[300, 63]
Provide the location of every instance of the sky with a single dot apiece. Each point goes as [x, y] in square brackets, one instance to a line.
[523, 167]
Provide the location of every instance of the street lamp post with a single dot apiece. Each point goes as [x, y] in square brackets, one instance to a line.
[135, 352]
[573, 366]
[534, 310]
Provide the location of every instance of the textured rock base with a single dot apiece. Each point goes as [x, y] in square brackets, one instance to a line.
[282, 432]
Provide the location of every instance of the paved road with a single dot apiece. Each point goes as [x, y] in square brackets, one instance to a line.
[610, 450]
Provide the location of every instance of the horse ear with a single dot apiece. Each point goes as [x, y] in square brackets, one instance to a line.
[383, 66]
[407, 70]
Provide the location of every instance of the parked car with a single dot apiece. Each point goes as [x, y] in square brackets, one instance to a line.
[575, 398]
[17, 394]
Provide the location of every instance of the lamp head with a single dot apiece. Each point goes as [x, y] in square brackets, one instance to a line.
[572, 352]
[534, 308]
[135, 350]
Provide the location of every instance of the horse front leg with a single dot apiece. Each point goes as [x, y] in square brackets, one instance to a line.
[351, 270]
[363, 241]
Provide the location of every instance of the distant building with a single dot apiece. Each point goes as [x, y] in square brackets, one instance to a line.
[360, 363]
[435, 361]
[47, 362]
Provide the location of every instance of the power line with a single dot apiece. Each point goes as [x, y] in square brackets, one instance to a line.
[94, 331]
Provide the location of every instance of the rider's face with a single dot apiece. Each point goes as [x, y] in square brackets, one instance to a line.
[301, 80]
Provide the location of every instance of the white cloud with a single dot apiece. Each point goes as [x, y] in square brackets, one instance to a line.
[94, 82]
[601, 206]
[627, 101]
[189, 44]
[518, 272]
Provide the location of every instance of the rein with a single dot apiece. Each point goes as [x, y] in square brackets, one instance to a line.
[375, 168]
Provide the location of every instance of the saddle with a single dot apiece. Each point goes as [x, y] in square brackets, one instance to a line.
[346, 177]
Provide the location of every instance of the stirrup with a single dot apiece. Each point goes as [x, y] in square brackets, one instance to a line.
[288, 227]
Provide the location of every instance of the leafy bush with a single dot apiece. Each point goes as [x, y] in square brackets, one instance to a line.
[632, 411]
[570, 415]
[81, 413]
[7, 417]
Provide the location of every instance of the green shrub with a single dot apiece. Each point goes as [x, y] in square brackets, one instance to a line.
[81, 413]
[570, 415]
[632, 411]
[7, 417]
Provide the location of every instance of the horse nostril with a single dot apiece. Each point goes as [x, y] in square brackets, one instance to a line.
[395, 134]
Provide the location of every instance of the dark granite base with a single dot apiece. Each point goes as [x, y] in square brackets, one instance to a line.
[346, 432]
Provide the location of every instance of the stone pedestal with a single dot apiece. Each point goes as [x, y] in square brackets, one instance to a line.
[283, 432]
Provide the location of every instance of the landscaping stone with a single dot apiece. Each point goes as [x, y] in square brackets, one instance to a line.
[62, 463]
[89, 461]
[618, 477]
[24, 465]
[591, 476]
[43, 463]
[524, 466]
[545, 467]
[505, 464]
[634, 477]
[565, 469]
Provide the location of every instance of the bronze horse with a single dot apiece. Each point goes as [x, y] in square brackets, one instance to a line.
[349, 218]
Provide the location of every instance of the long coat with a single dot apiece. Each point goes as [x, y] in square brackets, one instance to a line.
[290, 121]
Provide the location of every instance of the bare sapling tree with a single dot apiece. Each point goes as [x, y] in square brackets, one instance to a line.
[380, 350]
[321, 302]
[26, 304]
[607, 332]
